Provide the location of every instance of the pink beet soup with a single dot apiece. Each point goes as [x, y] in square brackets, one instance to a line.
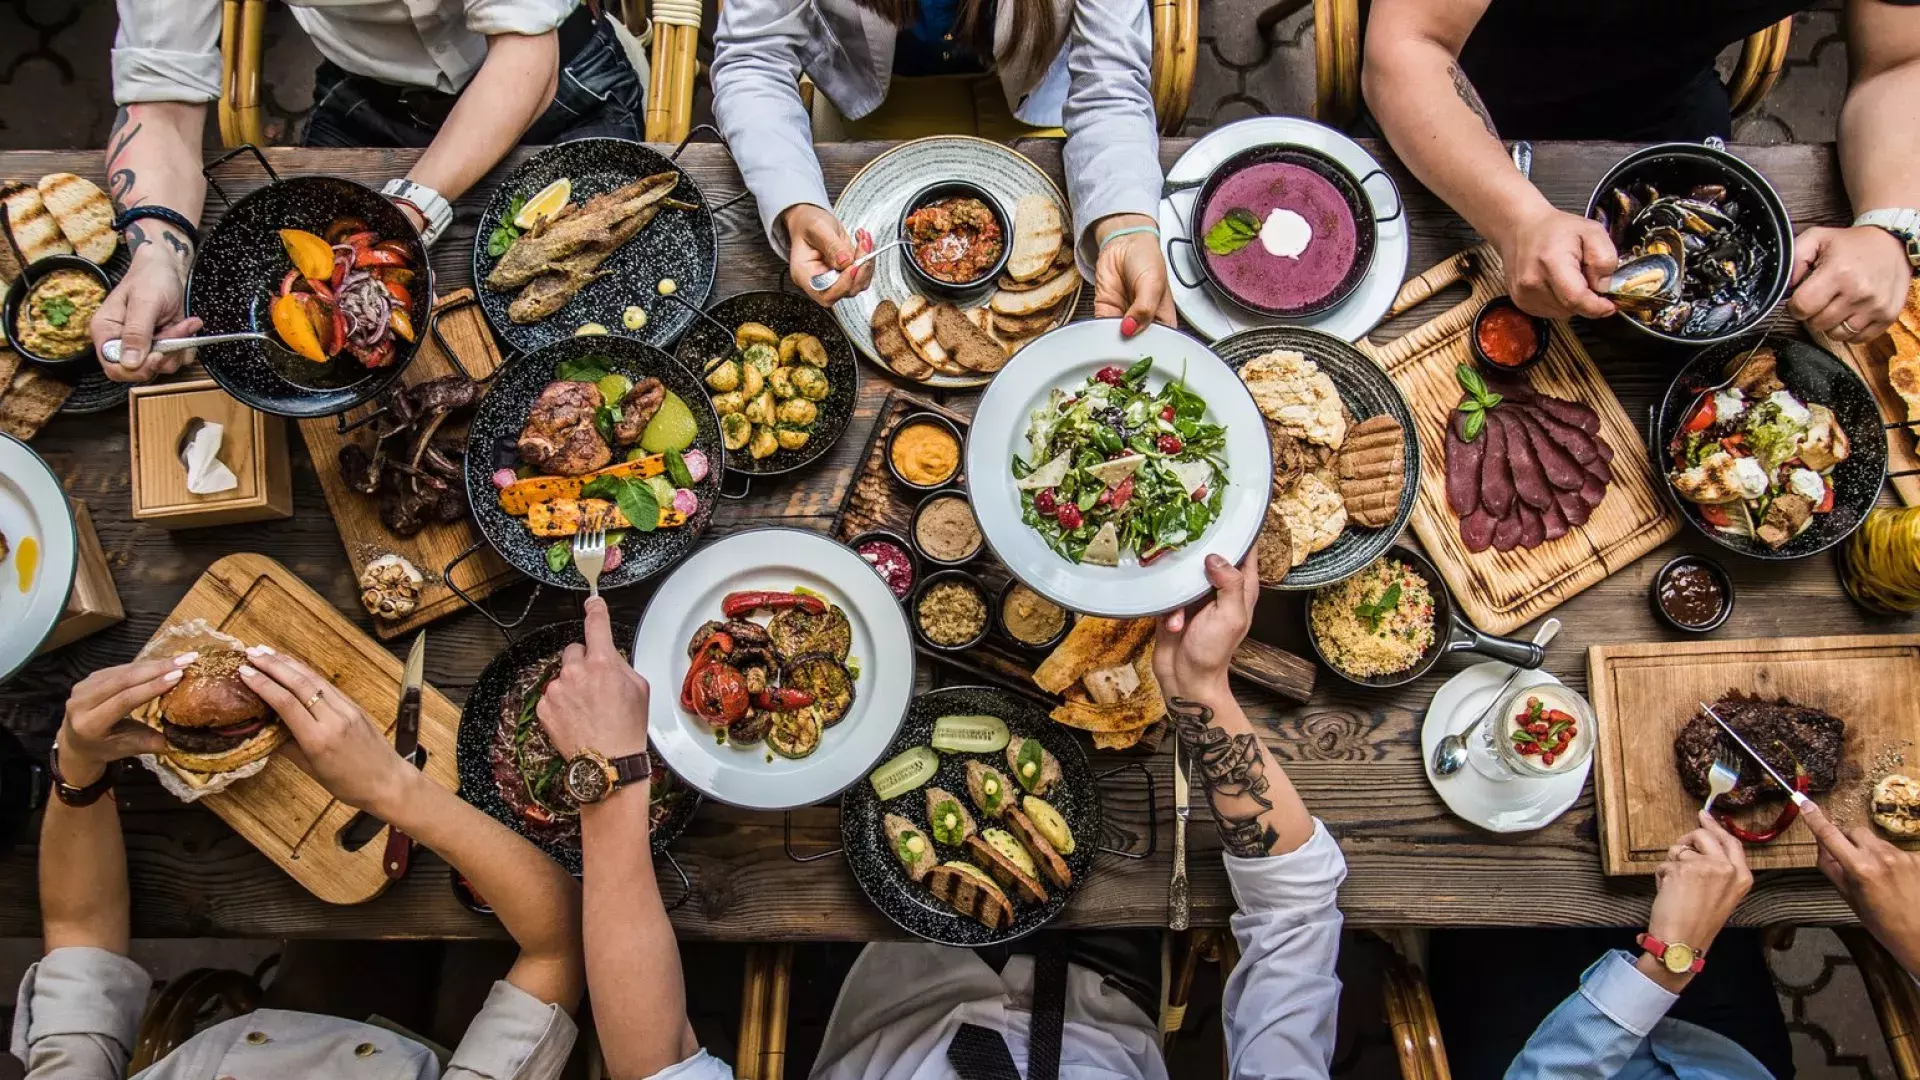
[1280, 282]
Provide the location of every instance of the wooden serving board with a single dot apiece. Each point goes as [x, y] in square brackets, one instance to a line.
[282, 810]
[1869, 358]
[1503, 591]
[358, 516]
[876, 501]
[1643, 692]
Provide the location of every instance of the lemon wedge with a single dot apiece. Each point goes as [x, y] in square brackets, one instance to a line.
[544, 205]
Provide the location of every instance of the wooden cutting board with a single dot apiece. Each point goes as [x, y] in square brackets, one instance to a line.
[465, 330]
[1869, 358]
[282, 810]
[1502, 591]
[1642, 693]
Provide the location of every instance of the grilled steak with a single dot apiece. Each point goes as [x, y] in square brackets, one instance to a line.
[637, 408]
[560, 436]
[1779, 730]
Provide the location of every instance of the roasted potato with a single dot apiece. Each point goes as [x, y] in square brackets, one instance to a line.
[753, 333]
[735, 430]
[729, 403]
[792, 438]
[808, 350]
[799, 412]
[764, 443]
[811, 382]
[759, 410]
[781, 382]
[724, 376]
[761, 355]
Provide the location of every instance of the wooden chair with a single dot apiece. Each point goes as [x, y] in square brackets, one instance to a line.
[1336, 47]
[243, 25]
[764, 994]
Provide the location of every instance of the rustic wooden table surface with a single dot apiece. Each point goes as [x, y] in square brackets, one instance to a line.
[1353, 753]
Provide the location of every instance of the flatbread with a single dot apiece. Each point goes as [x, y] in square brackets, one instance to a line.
[891, 343]
[1034, 301]
[1274, 549]
[1903, 367]
[1372, 470]
[1026, 325]
[1294, 393]
[29, 399]
[1314, 511]
[1092, 644]
[84, 214]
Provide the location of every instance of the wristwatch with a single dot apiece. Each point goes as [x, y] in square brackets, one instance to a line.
[1904, 224]
[429, 202]
[591, 776]
[1676, 956]
[82, 796]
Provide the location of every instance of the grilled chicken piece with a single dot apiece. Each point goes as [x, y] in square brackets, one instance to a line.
[560, 436]
[593, 224]
[1825, 443]
[1787, 514]
[1714, 481]
[637, 408]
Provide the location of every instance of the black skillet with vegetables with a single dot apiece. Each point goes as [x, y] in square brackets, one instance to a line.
[597, 432]
[981, 823]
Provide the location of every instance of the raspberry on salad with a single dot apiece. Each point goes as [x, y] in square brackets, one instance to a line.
[1068, 515]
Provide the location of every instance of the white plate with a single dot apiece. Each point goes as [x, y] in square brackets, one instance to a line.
[776, 560]
[1066, 358]
[1522, 804]
[31, 504]
[1215, 317]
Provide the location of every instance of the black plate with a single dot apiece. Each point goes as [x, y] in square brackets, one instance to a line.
[238, 271]
[481, 715]
[1367, 392]
[677, 244]
[785, 314]
[1814, 376]
[503, 412]
[880, 874]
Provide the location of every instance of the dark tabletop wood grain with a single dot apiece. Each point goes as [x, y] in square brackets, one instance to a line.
[1354, 754]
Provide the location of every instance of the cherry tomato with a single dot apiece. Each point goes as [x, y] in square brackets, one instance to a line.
[1167, 414]
[1121, 492]
[1702, 417]
[1111, 375]
[1200, 493]
[1826, 498]
[1716, 515]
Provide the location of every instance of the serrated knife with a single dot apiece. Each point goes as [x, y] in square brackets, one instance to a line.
[406, 741]
[1177, 903]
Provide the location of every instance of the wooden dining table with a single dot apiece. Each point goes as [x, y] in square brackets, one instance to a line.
[1354, 753]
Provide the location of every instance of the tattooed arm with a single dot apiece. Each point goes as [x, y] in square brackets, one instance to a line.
[153, 158]
[1439, 126]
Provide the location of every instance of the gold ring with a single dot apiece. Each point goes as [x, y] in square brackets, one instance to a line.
[317, 695]
[1847, 325]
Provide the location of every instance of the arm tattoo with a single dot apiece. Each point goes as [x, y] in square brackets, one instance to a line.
[1234, 773]
[1472, 98]
[120, 181]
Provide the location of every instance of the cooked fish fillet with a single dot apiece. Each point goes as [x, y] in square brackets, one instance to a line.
[540, 248]
[550, 291]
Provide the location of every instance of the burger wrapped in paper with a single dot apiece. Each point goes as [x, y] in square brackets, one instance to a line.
[214, 724]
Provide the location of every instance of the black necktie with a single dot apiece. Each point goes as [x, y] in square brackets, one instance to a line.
[978, 1053]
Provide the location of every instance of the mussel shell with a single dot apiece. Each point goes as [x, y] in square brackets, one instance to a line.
[1653, 276]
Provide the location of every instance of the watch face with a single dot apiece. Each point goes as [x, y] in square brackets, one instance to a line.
[1679, 958]
[586, 780]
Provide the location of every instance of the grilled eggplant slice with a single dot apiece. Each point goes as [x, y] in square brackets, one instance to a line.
[794, 734]
[796, 633]
[827, 679]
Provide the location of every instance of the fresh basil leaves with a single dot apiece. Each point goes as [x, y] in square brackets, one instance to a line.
[1477, 402]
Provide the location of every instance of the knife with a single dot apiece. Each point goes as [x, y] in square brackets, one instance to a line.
[1798, 798]
[406, 740]
[1177, 891]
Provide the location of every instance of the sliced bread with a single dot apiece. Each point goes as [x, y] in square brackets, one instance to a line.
[1037, 237]
[83, 212]
[34, 230]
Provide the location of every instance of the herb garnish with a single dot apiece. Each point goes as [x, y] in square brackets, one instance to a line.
[1379, 609]
[1478, 400]
[56, 310]
[636, 500]
[1233, 232]
[505, 233]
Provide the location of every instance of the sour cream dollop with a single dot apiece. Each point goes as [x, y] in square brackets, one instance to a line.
[1790, 407]
[1729, 403]
[1286, 234]
[1807, 483]
[1749, 478]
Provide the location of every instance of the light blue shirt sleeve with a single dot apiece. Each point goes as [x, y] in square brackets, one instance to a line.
[1598, 1028]
[758, 54]
[1112, 155]
[1283, 998]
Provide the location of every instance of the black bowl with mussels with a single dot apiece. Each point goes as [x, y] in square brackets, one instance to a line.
[1704, 242]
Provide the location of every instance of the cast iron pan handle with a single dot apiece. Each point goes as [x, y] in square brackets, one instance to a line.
[686, 885]
[722, 139]
[245, 148]
[786, 841]
[1173, 266]
[746, 485]
[1153, 819]
[446, 575]
[1174, 187]
[1399, 204]
[1464, 638]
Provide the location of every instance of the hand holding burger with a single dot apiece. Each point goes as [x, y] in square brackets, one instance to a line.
[336, 743]
[211, 720]
[96, 732]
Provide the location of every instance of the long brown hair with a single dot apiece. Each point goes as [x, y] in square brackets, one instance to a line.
[1033, 22]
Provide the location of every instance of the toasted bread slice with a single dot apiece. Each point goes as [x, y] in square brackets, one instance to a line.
[1372, 471]
[30, 400]
[1037, 237]
[1007, 872]
[916, 321]
[1026, 326]
[84, 214]
[33, 228]
[1037, 300]
[1052, 866]
[972, 893]
[970, 346]
[891, 343]
[1275, 548]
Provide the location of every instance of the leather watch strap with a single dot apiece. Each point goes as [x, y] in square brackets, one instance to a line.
[631, 769]
[1658, 950]
[83, 796]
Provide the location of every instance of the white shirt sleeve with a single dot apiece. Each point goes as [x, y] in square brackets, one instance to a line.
[1112, 154]
[757, 59]
[701, 1066]
[167, 50]
[78, 1013]
[515, 1036]
[530, 17]
[1283, 998]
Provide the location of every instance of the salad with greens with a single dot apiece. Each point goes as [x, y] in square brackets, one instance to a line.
[1115, 466]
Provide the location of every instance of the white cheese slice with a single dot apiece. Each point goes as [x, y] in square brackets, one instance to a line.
[1112, 472]
[1105, 548]
[1048, 475]
[1193, 475]
[1807, 484]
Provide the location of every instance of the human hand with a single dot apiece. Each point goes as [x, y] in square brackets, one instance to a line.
[149, 303]
[597, 700]
[1556, 264]
[1704, 878]
[1849, 284]
[1191, 649]
[1130, 277]
[97, 730]
[336, 743]
[1878, 880]
[817, 243]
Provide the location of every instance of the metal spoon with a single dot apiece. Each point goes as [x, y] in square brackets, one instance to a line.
[111, 350]
[1452, 751]
[824, 280]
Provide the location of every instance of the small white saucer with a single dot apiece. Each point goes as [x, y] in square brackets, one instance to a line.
[1518, 805]
[1214, 317]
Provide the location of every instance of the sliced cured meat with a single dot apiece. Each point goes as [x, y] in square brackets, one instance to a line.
[1496, 479]
[1606, 452]
[1572, 507]
[1597, 469]
[1577, 443]
[1506, 535]
[1533, 527]
[1476, 529]
[1562, 470]
[1529, 479]
[1463, 468]
[1554, 521]
[1570, 412]
[1593, 492]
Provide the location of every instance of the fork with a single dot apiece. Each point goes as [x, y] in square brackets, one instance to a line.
[590, 556]
[1724, 774]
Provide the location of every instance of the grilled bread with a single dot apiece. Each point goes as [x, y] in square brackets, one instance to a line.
[970, 346]
[84, 214]
[916, 322]
[890, 341]
[1033, 301]
[1037, 236]
[1275, 548]
[1006, 871]
[1052, 866]
[1372, 470]
[34, 230]
[972, 893]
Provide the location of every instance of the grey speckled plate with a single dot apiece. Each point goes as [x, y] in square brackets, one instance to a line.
[480, 717]
[677, 244]
[786, 314]
[885, 881]
[876, 197]
[1367, 392]
[496, 427]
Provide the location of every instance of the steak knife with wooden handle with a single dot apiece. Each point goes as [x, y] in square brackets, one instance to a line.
[406, 741]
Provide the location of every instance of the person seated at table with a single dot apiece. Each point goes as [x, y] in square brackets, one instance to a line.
[468, 80]
[1448, 79]
[80, 1006]
[907, 1008]
[1079, 64]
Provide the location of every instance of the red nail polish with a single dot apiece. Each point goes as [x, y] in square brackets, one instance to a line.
[1128, 327]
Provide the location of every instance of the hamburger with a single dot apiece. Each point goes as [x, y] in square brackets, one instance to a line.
[213, 723]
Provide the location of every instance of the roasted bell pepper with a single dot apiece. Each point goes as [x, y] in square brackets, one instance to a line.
[738, 604]
[782, 699]
[1787, 816]
[310, 254]
[717, 646]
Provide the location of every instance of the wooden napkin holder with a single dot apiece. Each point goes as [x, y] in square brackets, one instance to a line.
[254, 447]
[94, 603]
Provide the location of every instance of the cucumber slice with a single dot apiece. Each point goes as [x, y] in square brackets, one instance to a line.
[904, 773]
[662, 490]
[970, 734]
